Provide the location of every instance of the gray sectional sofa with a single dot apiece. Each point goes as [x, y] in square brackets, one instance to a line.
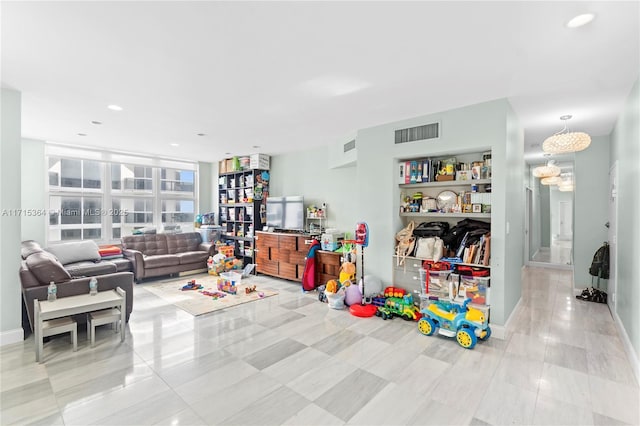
[153, 255]
[70, 266]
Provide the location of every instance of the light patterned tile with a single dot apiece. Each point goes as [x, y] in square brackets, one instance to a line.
[520, 371]
[378, 411]
[272, 409]
[615, 400]
[553, 412]
[504, 404]
[352, 393]
[611, 367]
[563, 384]
[313, 415]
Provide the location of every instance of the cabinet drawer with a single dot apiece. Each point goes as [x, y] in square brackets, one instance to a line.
[266, 240]
[288, 271]
[303, 244]
[297, 257]
[287, 242]
[410, 281]
[268, 267]
[321, 279]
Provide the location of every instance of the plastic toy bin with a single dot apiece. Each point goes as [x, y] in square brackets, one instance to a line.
[477, 289]
[234, 277]
[434, 282]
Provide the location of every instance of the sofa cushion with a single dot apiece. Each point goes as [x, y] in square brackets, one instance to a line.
[193, 257]
[46, 268]
[75, 251]
[89, 269]
[181, 243]
[160, 260]
[149, 244]
[122, 264]
[27, 248]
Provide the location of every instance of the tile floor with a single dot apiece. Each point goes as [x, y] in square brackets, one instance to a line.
[290, 360]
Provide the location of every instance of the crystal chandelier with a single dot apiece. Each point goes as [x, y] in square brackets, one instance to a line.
[565, 141]
[550, 170]
[554, 180]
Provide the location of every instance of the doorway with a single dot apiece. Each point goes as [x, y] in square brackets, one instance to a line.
[549, 221]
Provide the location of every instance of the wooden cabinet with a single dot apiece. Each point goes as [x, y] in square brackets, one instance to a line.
[281, 255]
[327, 266]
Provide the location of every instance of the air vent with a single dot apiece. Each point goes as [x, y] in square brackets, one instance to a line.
[350, 145]
[428, 131]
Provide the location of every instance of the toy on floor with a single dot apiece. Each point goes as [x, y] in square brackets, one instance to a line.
[215, 294]
[401, 306]
[227, 286]
[347, 272]
[250, 289]
[466, 323]
[192, 285]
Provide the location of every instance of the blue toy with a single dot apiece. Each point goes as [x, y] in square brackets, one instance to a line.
[466, 323]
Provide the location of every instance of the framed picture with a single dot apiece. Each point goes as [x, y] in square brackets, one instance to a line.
[466, 208]
[476, 208]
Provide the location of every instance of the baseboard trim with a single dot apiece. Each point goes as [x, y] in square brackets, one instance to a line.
[628, 347]
[500, 331]
[11, 336]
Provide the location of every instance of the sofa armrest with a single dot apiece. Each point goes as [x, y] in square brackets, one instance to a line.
[208, 247]
[137, 262]
[78, 286]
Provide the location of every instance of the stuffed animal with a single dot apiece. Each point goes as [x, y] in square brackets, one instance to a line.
[347, 272]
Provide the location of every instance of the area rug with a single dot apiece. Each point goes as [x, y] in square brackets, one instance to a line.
[197, 303]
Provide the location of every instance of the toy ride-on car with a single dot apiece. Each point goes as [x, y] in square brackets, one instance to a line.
[466, 323]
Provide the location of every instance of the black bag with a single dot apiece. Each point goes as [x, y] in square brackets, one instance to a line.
[431, 229]
[600, 263]
[453, 238]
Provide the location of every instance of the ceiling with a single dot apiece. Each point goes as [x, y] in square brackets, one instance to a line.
[276, 77]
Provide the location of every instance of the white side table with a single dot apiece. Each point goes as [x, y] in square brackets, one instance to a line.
[68, 306]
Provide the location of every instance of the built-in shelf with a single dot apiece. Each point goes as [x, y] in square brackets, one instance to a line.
[436, 214]
[446, 183]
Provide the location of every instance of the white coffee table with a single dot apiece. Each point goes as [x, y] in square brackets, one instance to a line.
[72, 305]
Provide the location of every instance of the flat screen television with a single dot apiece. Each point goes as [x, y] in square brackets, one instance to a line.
[286, 212]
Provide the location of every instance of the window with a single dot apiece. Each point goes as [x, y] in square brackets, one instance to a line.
[104, 196]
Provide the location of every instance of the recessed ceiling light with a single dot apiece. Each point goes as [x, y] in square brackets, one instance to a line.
[174, 144]
[255, 146]
[115, 107]
[96, 122]
[201, 134]
[580, 20]
[227, 153]
[82, 134]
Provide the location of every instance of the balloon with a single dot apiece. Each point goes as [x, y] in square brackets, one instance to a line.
[353, 295]
[372, 286]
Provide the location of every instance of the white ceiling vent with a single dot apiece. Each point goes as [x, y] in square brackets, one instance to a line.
[351, 145]
[427, 131]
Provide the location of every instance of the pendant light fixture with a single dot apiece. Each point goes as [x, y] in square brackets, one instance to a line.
[554, 180]
[550, 170]
[565, 141]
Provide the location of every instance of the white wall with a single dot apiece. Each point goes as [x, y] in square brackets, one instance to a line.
[514, 205]
[475, 128]
[625, 149]
[10, 292]
[307, 173]
[206, 191]
[591, 208]
[33, 180]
